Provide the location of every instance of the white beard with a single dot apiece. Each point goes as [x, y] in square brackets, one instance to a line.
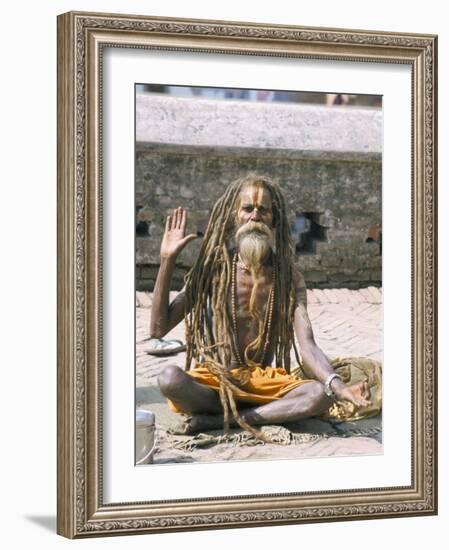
[254, 241]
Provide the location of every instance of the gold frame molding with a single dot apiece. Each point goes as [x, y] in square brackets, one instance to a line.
[81, 38]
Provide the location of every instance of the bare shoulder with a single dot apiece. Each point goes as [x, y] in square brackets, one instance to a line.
[180, 298]
[177, 307]
[299, 284]
[298, 277]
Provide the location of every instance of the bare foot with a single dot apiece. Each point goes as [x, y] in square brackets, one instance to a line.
[199, 423]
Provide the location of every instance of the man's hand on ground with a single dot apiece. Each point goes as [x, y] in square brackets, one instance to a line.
[358, 394]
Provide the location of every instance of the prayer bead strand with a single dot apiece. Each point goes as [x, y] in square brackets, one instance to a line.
[267, 328]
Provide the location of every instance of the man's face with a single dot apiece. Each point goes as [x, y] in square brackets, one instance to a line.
[255, 206]
[254, 235]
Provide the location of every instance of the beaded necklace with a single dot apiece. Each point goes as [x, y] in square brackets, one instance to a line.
[268, 315]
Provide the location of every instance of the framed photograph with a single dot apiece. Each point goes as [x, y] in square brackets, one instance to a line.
[246, 274]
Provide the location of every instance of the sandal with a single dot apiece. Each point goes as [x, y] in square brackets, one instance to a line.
[161, 347]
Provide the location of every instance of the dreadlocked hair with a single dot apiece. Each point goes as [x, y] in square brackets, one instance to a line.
[209, 329]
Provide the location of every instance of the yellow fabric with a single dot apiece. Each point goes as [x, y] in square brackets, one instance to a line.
[264, 384]
[269, 384]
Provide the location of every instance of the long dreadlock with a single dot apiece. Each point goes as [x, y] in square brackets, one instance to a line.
[209, 319]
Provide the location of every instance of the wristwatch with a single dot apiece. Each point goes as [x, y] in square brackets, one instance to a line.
[327, 385]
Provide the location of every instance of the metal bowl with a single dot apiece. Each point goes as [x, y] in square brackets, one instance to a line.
[145, 436]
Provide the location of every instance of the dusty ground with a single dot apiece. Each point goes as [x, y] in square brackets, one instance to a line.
[346, 323]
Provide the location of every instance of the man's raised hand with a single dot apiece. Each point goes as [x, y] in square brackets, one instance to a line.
[175, 239]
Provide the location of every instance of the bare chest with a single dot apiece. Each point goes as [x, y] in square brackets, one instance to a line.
[252, 296]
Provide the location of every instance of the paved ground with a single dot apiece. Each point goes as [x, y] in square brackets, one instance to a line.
[346, 323]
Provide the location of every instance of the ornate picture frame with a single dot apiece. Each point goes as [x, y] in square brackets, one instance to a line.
[82, 40]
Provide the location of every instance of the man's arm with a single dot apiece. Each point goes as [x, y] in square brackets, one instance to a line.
[316, 364]
[165, 316]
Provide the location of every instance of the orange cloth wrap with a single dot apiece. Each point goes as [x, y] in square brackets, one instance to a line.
[264, 384]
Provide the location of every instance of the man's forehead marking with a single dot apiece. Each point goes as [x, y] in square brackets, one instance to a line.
[258, 195]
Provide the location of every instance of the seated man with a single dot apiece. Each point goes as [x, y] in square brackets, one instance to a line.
[243, 301]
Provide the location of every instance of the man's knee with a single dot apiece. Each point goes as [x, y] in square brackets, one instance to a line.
[170, 380]
[320, 401]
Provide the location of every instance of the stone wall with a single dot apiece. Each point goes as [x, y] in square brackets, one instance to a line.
[334, 184]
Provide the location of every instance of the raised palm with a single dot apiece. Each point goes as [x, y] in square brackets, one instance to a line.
[175, 239]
